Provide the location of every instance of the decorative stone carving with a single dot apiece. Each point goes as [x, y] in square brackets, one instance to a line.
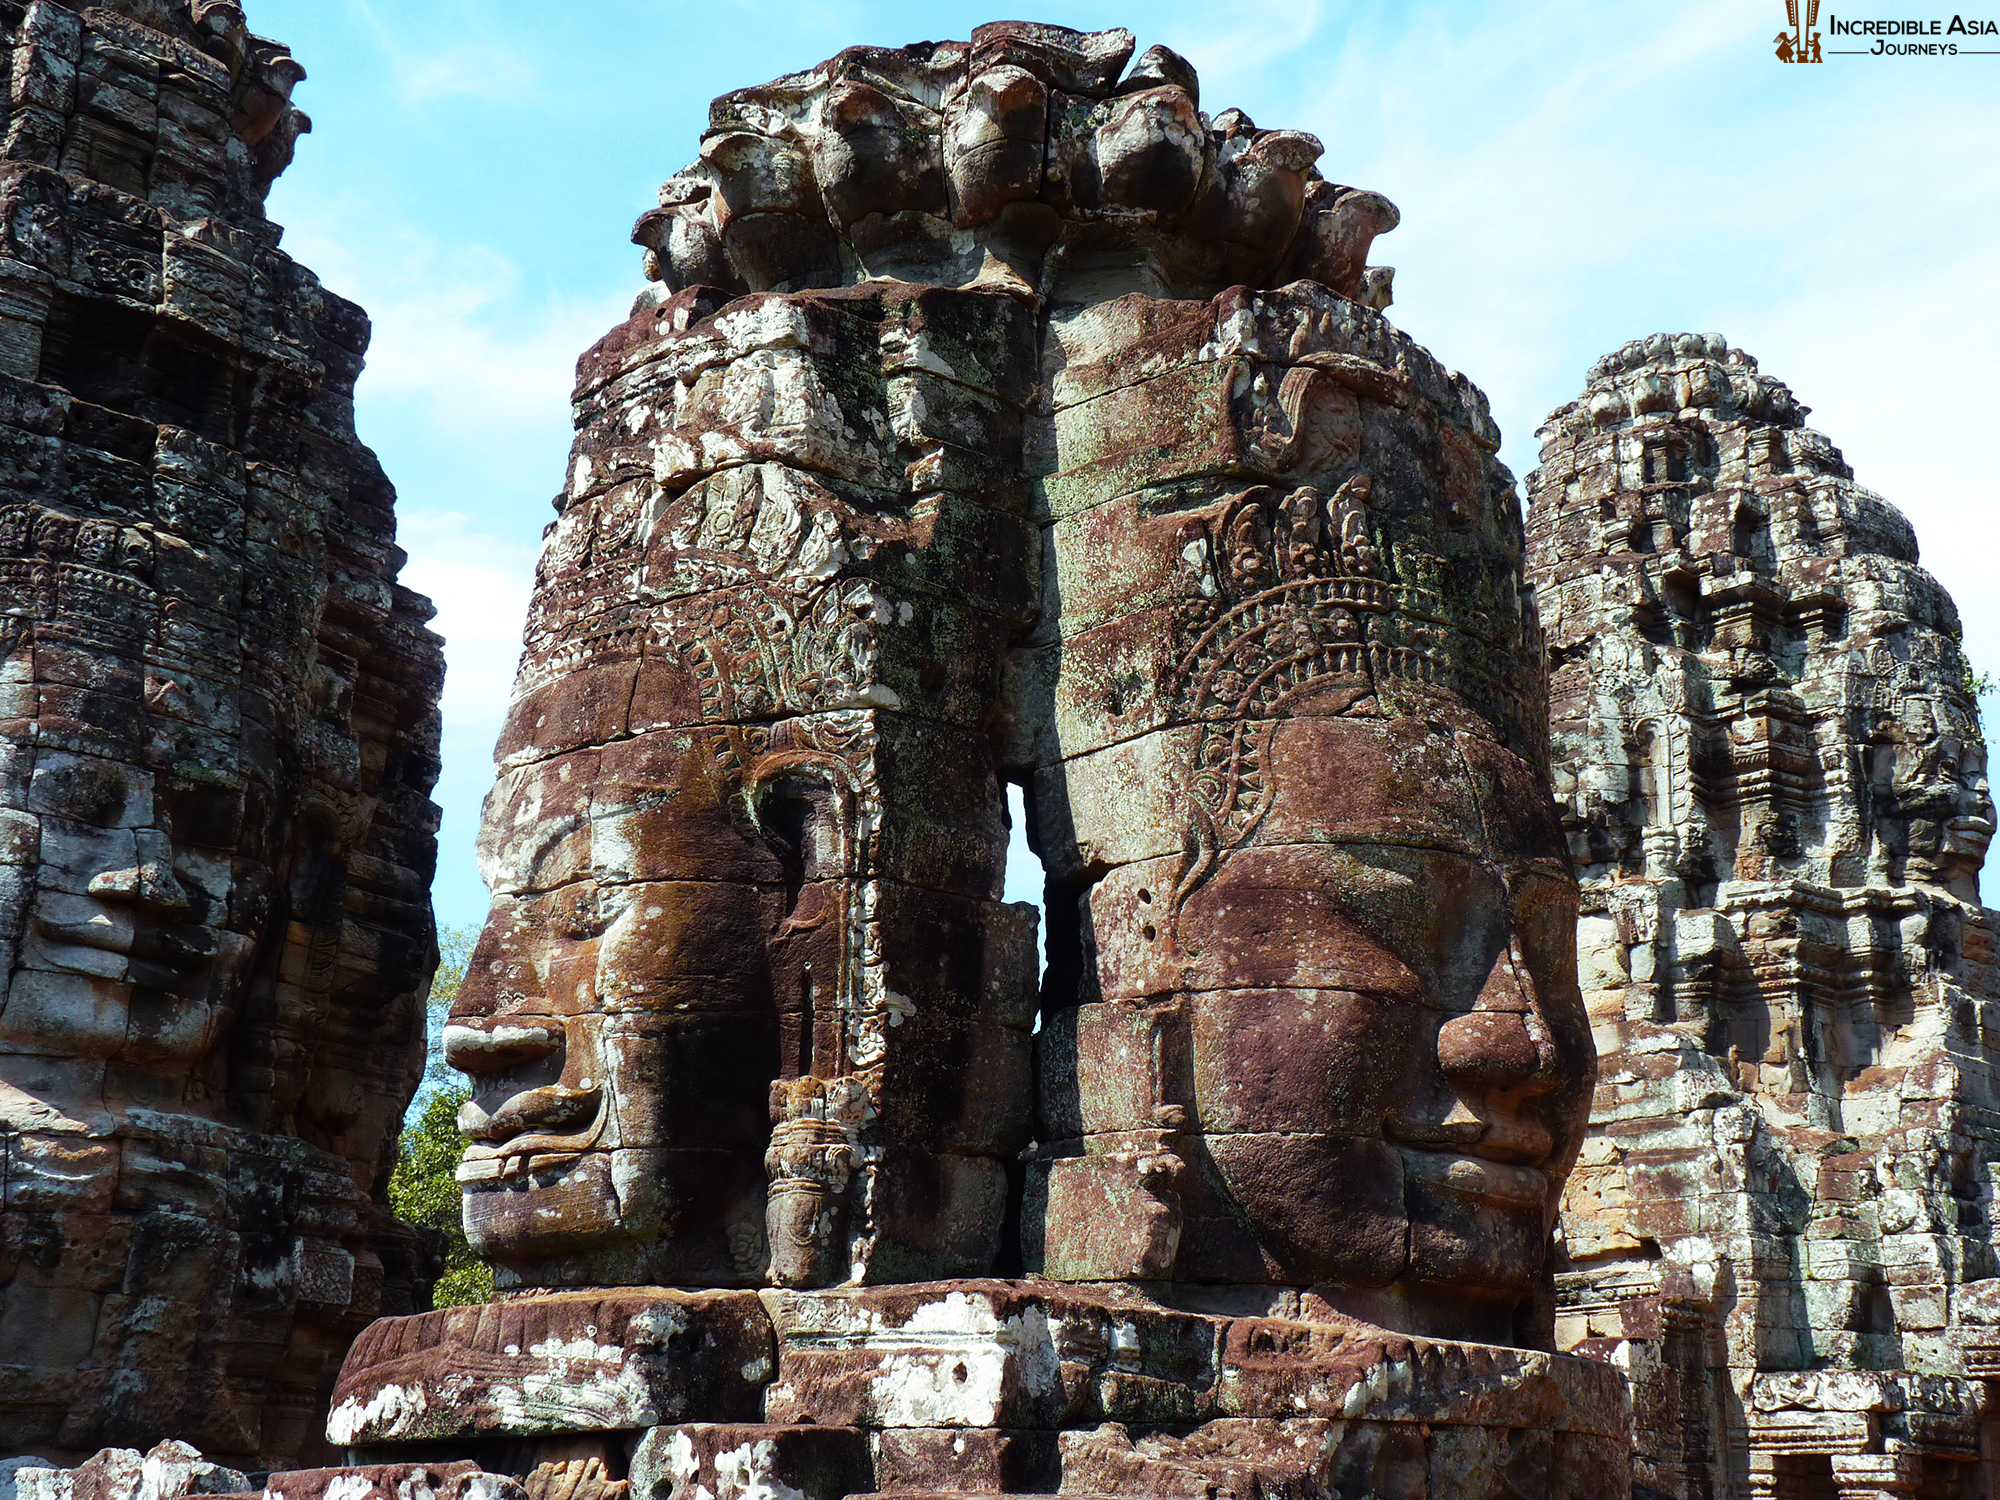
[1314, 1020]
[1093, 495]
[1774, 784]
[1022, 155]
[218, 737]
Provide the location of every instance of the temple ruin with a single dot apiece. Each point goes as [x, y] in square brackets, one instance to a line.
[1769, 763]
[217, 743]
[994, 415]
[1514, 1014]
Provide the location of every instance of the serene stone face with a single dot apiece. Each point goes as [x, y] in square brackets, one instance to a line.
[159, 823]
[746, 844]
[621, 1035]
[1932, 801]
[1329, 1033]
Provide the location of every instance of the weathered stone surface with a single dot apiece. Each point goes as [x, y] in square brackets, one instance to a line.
[980, 1461]
[218, 732]
[738, 1461]
[980, 1386]
[1773, 782]
[997, 417]
[575, 1362]
[1228, 576]
[175, 1471]
[948, 163]
[980, 1354]
[171, 1470]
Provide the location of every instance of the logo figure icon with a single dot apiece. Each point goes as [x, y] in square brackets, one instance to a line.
[1801, 43]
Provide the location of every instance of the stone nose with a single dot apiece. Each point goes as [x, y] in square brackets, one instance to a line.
[499, 1046]
[1492, 1050]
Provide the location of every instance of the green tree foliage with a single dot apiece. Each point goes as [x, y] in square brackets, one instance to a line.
[423, 1190]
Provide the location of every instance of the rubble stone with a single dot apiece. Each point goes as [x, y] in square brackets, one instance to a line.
[175, 1471]
[1768, 757]
[218, 732]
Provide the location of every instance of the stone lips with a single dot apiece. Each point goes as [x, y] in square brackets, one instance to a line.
[1031, 151]
[218, 737]
[1773, 783]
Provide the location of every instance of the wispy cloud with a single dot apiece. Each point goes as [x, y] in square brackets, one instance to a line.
[480, 580]
[460, 338]
[438, 54]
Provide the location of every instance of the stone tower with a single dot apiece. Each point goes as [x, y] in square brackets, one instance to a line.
[218, 734]
[997, 415]
[1771, 772]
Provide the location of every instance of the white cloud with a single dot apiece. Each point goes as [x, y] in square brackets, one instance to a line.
[461, 343]
[458, 59]
[480, 581]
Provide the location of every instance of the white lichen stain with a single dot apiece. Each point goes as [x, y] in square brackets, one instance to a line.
[359, 1487]
[745, 1474]
[953, 1363]
[390, 1412]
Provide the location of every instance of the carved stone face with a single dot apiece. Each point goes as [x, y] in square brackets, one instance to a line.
[746, 847]
[143, 778]
[1330, 1034]
[1389, 1057]
[1935, 799]
[617, 1023]
[1252, 571]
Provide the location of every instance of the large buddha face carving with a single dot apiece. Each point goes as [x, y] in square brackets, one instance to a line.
[155, 824]
[1387, 1053]
[1362, 1032]
[1330, 1026]
[616, 1021]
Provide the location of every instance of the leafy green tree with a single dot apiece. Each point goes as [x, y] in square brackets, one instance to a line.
[423, 1189]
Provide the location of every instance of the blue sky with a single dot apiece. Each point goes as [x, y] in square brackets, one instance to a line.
[1571, 176]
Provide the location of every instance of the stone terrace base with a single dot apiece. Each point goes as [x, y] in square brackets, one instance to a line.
[969, 1387]
[176, 1471]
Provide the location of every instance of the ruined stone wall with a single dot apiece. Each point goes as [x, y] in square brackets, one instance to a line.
[218, 733]
[1771, 771]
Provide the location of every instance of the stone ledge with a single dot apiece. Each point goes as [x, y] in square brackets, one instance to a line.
[561, 1362]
